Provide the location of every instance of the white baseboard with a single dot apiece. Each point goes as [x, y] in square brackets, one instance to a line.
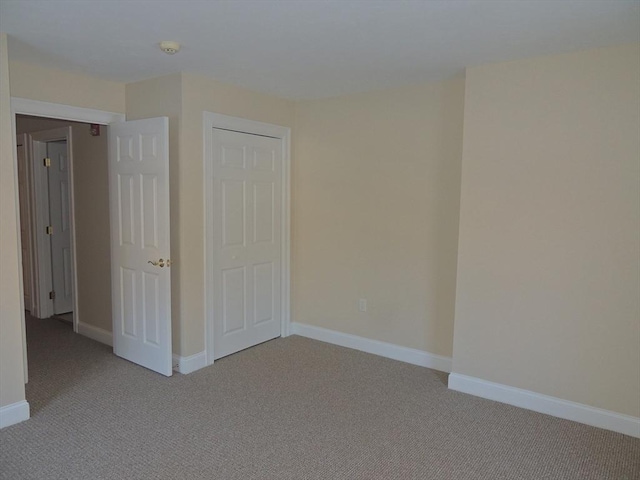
[180, 364]
[95, 333]
[191, 363]
[384, 349]
[557, 407]
[14, 413]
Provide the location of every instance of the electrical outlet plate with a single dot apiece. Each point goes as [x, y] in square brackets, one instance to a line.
[362, 304]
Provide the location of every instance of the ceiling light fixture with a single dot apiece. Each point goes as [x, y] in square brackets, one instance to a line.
[169, 47]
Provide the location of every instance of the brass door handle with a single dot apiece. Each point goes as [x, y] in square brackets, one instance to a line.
[159, 263]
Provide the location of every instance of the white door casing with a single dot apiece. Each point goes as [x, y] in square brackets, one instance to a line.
[140, 227]
[60, 221]
[24, 193]
[247, 233]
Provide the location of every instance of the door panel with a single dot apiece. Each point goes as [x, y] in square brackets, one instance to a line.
[149, 197]
[139, 205]
[59, 219]
[125, 209]
[233, 213]
[263, 203]
[233, 300]
[150, 317]
[263, 286]
[247, 173]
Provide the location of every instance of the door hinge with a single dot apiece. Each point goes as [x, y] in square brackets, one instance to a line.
[52, 295]
[46, 161]
[49, 230]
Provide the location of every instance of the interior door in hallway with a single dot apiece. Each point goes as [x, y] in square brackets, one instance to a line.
[247, 211]
[140, 248]
[60, 221]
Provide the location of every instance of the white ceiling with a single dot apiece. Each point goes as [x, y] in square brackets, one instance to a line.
[307, 48]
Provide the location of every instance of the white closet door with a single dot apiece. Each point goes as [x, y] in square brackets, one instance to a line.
[247, 171]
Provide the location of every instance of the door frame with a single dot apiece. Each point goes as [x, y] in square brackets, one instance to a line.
[24, 138]
[41, 254]
[215, 120]
[26, 106]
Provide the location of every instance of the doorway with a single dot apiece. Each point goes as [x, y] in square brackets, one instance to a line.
[71, 196]
[48, 159]
[94, 182]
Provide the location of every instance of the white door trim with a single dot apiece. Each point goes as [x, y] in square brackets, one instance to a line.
[16, 184]
[216, 120]
[42, 253]
[37, 108]
[23, 137]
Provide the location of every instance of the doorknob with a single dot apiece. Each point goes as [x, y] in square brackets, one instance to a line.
[159, 263]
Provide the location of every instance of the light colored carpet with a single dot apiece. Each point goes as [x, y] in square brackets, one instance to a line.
[65, 317]
[288, 409]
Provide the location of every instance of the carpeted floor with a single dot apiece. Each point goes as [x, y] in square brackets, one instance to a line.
[65, 317]
[288, 409]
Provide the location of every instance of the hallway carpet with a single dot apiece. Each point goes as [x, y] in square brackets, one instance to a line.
[291, 408]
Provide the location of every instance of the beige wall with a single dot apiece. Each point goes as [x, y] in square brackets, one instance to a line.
[93, 241]
[548, 266]
[28, 124]
[375, 213]
[57, 86]
[11, 359]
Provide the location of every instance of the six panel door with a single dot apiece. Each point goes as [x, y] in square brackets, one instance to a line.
[139, 210]
[247, 171]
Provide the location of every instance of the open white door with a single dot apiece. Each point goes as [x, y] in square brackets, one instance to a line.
[60, 220]
[140, 275]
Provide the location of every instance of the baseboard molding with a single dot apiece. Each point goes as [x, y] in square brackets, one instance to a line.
[14, 413]
[376, 347]
[96, 333]
[191, 363]
[557, 407]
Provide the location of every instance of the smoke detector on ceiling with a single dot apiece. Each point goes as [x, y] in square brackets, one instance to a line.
[170, 47]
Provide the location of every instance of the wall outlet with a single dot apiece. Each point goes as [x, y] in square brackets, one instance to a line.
[362, 304]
